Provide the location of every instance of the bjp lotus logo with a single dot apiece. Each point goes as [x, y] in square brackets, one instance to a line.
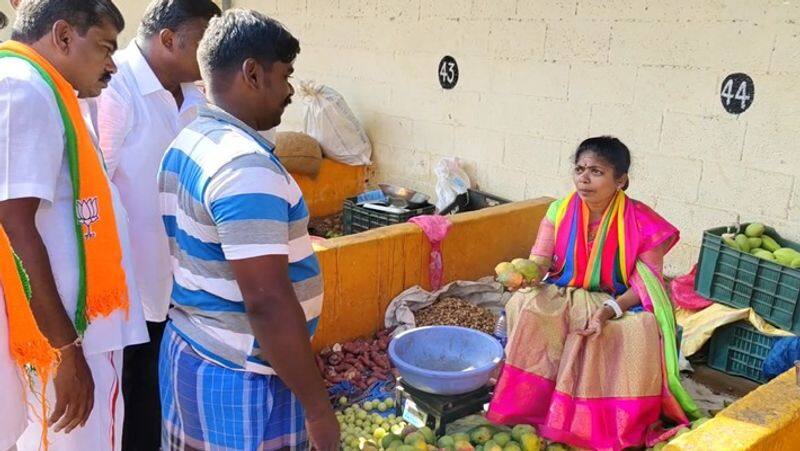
[87, 214]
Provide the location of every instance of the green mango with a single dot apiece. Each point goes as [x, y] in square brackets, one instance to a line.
[754, 230]
[795, 263]
[413, 438]
[741, 240]
[446, 442]
[502, 438]
[768, 243]
[754, 243]
[521, 429]
[512, 446]
[766, 255]
[426, 432]
[481, 435]
[731, 242]
[528, 269]
[388, 439]
[786, 255]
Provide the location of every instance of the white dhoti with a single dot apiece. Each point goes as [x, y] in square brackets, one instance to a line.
[12, 392]
[103, 429]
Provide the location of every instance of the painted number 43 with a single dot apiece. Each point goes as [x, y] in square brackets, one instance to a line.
[448, 72]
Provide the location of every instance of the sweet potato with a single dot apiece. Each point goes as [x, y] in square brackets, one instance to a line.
[351, 375]
[335, 359]
[352, 360]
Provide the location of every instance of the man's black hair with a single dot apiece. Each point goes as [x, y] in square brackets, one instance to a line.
[239, 34]
[171, 14]
[35, 18]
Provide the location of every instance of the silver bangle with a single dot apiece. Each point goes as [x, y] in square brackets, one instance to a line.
[614, 306]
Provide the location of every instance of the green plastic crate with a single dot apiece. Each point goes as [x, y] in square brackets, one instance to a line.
[356, 218]
[739, 349]
[738, 279]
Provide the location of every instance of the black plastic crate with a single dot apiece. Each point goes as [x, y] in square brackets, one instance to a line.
[738, 279]
[356, 218]
[740, 349]
[473, 200]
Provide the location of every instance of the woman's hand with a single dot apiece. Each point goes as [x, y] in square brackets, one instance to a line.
[597, 321]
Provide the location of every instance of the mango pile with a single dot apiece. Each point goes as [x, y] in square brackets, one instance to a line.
[754, 241]
[518, 273]
[522, 438]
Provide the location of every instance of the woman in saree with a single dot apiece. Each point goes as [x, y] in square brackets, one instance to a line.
[592, 354]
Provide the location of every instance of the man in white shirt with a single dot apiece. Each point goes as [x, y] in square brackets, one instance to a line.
[150, 99]
[38, 210]
[12, 395]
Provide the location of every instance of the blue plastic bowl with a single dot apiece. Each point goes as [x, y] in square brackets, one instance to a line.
[445, 360]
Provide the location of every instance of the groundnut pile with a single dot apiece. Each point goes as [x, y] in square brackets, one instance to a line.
[456, 312]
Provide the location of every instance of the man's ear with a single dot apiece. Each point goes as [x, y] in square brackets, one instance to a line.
[252, 73]
[167, 38]
[62, 36]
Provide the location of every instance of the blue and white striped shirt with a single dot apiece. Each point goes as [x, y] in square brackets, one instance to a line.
[225, 196]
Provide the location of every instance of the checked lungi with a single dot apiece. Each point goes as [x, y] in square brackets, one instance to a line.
[206, 406]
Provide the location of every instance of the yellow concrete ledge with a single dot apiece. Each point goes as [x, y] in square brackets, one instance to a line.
[364, 272]
[767, 419]
[325, 193]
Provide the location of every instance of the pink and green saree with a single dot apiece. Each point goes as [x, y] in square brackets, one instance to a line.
[614, 390]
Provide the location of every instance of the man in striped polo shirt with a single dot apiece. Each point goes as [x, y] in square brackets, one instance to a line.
[236, 366]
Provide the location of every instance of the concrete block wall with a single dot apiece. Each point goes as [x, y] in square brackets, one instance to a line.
[538, 76]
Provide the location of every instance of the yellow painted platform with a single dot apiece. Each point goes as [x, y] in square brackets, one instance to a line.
[325, 193]
[767, 419]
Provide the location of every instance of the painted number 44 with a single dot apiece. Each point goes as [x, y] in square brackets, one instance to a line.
[737, 93]
[741, 93]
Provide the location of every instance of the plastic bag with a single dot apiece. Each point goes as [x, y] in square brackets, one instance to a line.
[683, 294]
[451, 181]
[329, 120]
[781, 357]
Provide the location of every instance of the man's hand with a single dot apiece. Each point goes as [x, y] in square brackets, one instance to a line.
[279, 326]
[74, 391]
[323, 431]
[73, 381]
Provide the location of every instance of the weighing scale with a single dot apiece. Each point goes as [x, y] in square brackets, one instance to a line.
[420, 408]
